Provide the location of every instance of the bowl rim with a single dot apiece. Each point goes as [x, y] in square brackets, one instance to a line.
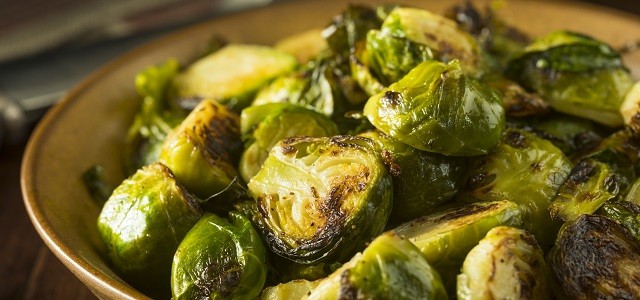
[83, 270]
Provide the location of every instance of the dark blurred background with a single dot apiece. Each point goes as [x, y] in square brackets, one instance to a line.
[46, 47]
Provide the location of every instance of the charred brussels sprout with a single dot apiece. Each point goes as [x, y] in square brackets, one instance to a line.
[438, 109]
[219, 260]
[153, 122]
[506, 264]
[576, 74]
[201, 150]
[589, 185]
[596, 258]
[421, 180]
[321, 198]
[445, 238]
[230, 75]
[389, 268]
[142, 224]
[440, 34]
[527, 170]
[265, 125]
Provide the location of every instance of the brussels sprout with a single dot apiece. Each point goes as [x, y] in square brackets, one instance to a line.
[142, 224]
[219, 260]
[625, 213]
[350, 28]
[437, 33]
[201, 150]
[391, 58]
[596, 258]
[295, 289]
[445, 238]
[421, 181]
[576, 74]
[230, 75]
[389, 268]
[621, 151]
[438, 109]
[589, 185]
[527, 170]
[506, 264]
[265, 125]
[320, 199]
[153, 122]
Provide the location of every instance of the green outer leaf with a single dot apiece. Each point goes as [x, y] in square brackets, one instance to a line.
[219, 260]
[589, 185]
[320, 199]
[438, 109]
[625, 213]
[445, 238]
[142, 224]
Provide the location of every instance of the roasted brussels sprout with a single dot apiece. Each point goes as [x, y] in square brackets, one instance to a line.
[350, 28]
[595, 258]
[516, 101]
[219, 260]
[264, 125]
[506, 264]
[438, 33]
[576, 74]
[621, 152]
[142, 224]
[321, 199]
[230, 75]
[389, 268]
[589, 185]
[421, 180]
[295, 289]
[625, 213]
[630, 108]
[201, 150]
[153, 122]
[438, 109]
[527, 170]
[445, 238]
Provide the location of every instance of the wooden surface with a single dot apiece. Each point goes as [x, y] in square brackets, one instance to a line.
[28, 269]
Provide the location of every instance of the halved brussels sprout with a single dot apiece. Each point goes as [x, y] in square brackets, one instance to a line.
[438, 33]
[445, 238]
[421, 180]
[230, 75]
[437, 108]
[589, 185]
[389, 268]
[219, 260]
[295, 289]
[142, 224]
[595, 258]
[201, 150]
[527, 170]
[321, 199]
[153, 122]
[265, 125]
[576, 74]
[625, 213]
[506, 264]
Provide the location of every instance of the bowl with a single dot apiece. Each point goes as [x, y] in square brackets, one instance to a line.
[88, 126]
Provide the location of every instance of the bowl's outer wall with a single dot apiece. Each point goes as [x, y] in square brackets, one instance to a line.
[88, 127]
